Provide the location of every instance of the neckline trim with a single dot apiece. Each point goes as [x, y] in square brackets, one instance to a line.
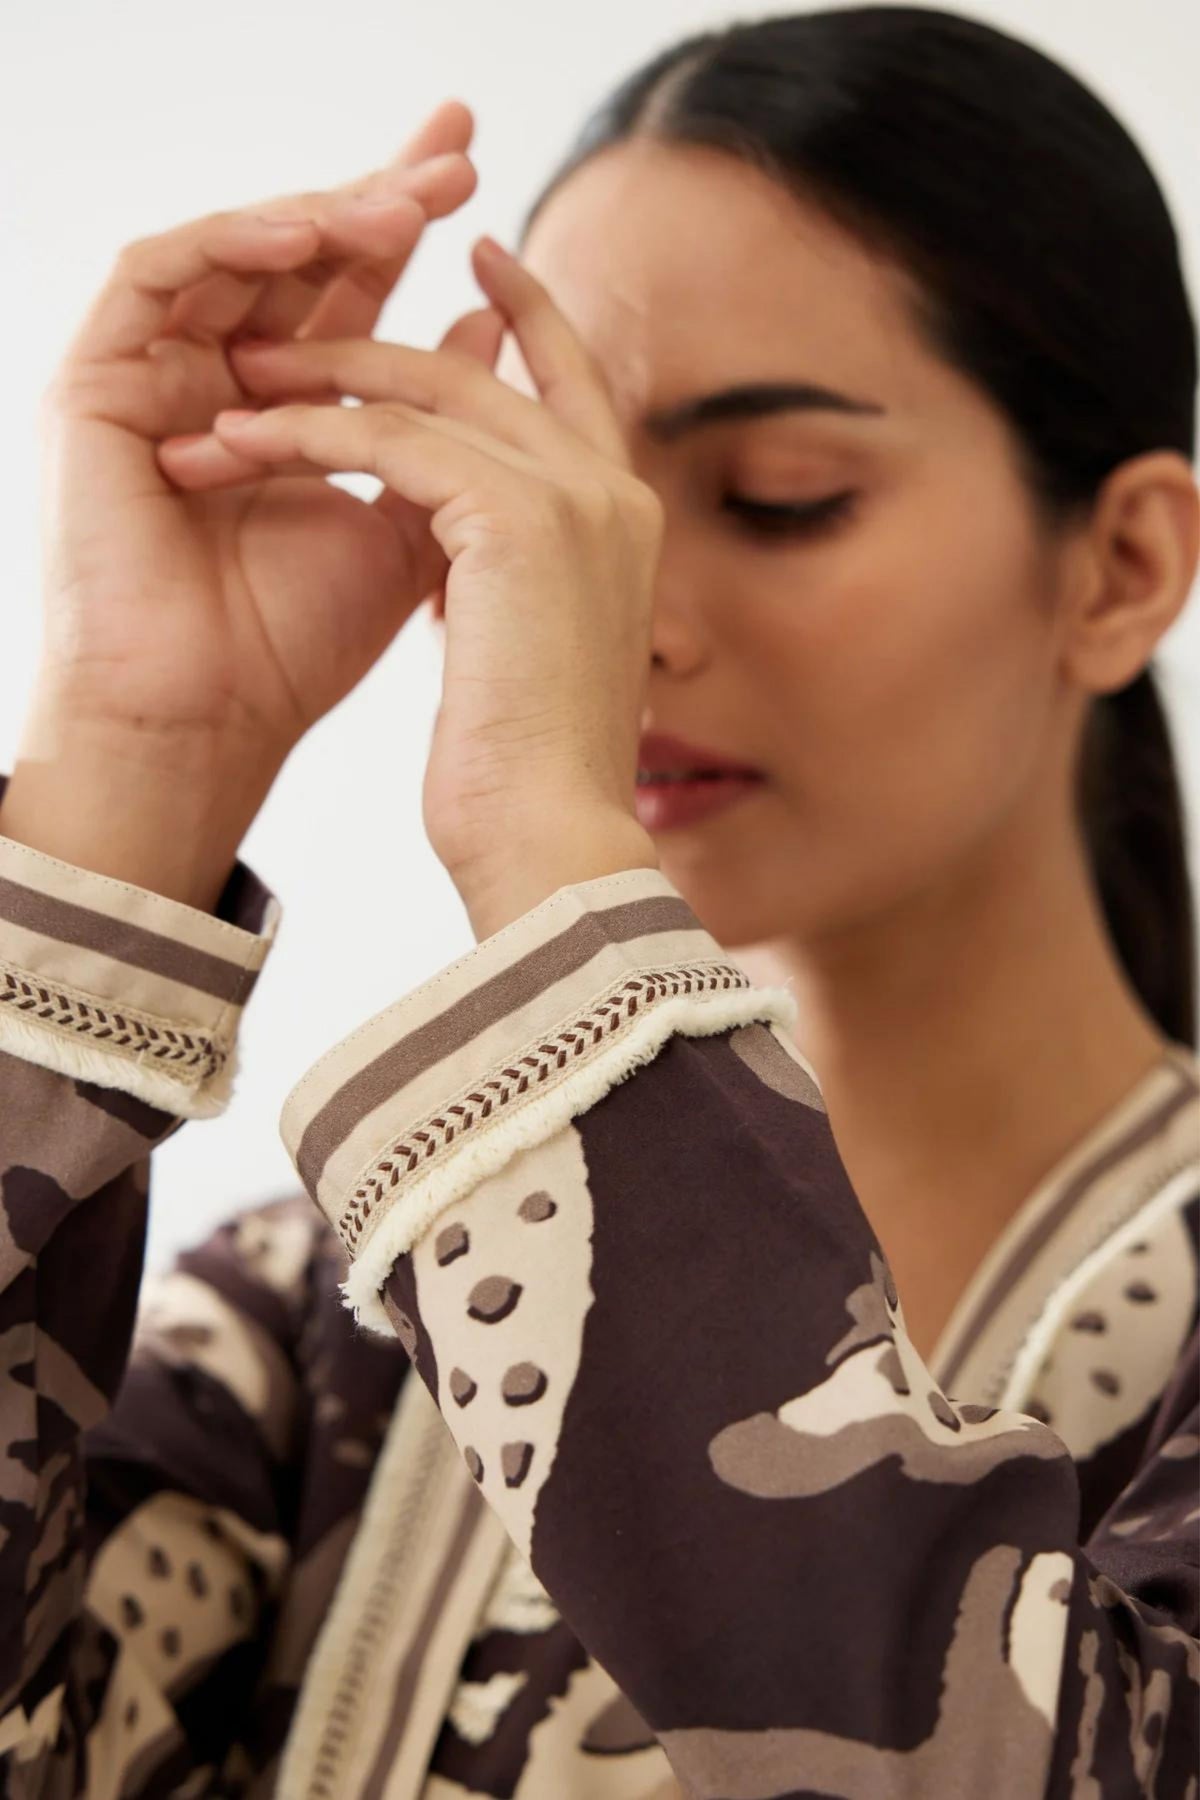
[1131, 1126]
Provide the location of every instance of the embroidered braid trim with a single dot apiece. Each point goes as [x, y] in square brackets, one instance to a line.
[135, 1035]
[542, 1062]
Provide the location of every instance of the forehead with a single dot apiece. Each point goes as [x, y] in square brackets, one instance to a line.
[679, 265]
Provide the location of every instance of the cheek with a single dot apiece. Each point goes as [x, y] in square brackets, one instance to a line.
[912, 700]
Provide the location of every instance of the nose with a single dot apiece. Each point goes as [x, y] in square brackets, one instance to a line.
[679, 640]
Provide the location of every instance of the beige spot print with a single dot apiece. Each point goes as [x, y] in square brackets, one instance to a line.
[1123, 1335]
[523, 1383]
[536, 1207]
[493, 1298]
[511, 1310]
[174, 1591]
[462, 1388]
[879, 1401]
[453, 1241]
[775, 1059]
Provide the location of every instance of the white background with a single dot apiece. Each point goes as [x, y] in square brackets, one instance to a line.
[118, 121]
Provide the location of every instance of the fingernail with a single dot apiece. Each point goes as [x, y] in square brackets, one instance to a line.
[235, 418]
[491, 248]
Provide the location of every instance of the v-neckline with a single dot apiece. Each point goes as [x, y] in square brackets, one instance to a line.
[1133, 1145]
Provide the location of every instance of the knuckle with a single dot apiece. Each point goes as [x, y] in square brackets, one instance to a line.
[592, 499]
[69, 385]
[644, 506]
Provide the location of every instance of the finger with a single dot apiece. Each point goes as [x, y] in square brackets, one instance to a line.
[450, 126]
[435, 171]
[568, 377]
[428, 461]
[135, 303]
[201, 461]
[268, 238]
[225, 301]
[479, 334]
[453, 387]
[347, 301]
[367, 230]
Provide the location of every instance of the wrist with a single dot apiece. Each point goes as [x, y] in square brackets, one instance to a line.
[527, 873]
[168, 819]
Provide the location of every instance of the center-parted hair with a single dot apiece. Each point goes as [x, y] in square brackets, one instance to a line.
[1044, 266]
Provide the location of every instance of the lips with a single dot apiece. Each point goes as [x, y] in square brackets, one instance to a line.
[659, 753]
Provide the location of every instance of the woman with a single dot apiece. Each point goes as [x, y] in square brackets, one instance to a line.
[790, 1205]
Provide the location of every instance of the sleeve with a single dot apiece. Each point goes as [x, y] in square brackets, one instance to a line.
[586, 1178]
[138, 1544]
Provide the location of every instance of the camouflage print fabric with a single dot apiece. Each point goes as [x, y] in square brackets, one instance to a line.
[571, 1443]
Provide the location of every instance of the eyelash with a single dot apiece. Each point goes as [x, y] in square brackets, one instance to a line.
[774, 521]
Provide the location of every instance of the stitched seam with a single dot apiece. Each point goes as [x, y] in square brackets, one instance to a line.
[12, 853]
[539, 1066]
[418, 1000]
[133, 1035]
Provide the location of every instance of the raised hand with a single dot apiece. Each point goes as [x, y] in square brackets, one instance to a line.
[552, 545]
[195, 629]
[259, 606]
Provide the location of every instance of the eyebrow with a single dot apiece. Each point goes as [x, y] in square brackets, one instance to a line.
[751, 400]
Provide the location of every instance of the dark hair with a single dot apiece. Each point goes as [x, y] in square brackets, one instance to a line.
[1046, 269]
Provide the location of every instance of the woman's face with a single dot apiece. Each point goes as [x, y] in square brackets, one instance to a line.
[892, 671]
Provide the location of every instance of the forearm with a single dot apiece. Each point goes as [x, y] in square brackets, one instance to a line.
[166, 814]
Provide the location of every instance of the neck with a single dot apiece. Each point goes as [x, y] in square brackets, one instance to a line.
[965, 1041]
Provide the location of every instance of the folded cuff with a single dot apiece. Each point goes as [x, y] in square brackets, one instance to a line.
[496, 1052]
[117, 985]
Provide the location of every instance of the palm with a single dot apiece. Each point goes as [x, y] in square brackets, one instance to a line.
[259, 605]
[321, 582]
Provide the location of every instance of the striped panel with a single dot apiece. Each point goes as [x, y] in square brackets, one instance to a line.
[1152, 1135]
[117, 984]
[492, 1032]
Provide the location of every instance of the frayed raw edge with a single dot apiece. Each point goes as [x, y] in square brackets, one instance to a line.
[425, 1200]
[84, 1062]
[1025, 1370]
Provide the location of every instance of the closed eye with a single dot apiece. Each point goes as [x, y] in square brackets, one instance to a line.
[776, 519]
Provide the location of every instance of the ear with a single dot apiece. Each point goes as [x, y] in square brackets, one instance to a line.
[1143, 548]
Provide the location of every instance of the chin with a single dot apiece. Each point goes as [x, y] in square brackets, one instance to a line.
[733, 905]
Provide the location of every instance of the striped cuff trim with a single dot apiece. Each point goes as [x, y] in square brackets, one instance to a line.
[406, 1209]
[111, 983]
[500, 1048]
[184, 1071]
